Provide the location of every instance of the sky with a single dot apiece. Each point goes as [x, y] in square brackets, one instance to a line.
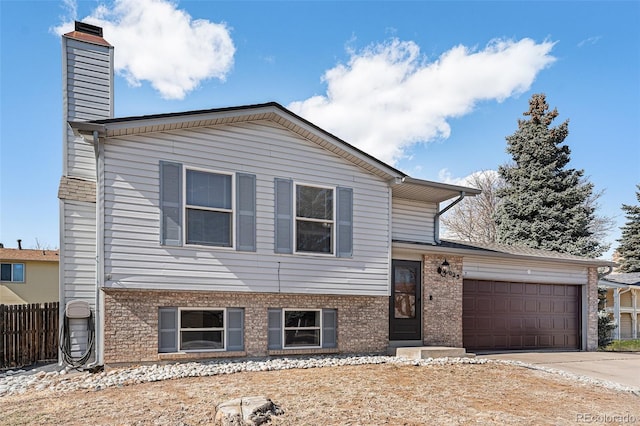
[432, 88]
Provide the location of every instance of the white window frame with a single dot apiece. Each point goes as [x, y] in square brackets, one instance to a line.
[296, 218]
[223, 329]
[12, 280]
[186, 206]
[285, 328]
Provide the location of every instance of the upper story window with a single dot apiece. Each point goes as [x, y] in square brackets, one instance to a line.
[209, 208]
[12, 272]
[314, 219]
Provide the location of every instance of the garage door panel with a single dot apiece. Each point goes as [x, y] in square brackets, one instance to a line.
[501, 288]
[545, 289]
[530, 305]
[506, 315]
[544, 306]
[516, 288]
[516, 305]
[483, 305]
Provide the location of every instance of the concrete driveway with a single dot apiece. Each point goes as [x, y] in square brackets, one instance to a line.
[622, 368]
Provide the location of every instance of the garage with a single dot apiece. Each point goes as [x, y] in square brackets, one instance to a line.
[520, 316]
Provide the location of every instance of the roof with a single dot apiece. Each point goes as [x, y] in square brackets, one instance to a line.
[506, 251]
[626, 279]
[29, 255]
[404, 186]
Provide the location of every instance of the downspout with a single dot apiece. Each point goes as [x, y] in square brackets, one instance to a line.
[98, 317]
[436, 217]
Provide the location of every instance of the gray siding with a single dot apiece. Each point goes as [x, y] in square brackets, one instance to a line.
[87, 95]
[485, 268]
[79, 251]
[413, 220]
[135, 259]
[78, 264]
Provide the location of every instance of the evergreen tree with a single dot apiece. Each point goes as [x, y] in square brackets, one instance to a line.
[544, 204]
[629, 249]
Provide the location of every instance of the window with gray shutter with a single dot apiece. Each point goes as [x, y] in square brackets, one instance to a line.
[235, 329]
[246, 212]
[168, 330]
[275, 329]
[345, 222]
[170, 203]
[283, 216]
[329, 328]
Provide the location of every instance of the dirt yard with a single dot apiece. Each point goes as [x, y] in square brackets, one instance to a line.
[353, 395]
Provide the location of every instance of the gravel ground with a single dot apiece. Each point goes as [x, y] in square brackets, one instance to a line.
[321, 390]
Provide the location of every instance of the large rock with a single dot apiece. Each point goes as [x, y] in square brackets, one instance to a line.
[247, 411]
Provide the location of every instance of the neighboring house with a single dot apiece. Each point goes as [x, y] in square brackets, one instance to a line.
[28, 276]
[249, 231]
[623, 303]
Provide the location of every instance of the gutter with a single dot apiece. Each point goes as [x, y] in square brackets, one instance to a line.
[436, 217]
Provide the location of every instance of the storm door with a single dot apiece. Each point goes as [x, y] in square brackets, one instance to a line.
[404, 305]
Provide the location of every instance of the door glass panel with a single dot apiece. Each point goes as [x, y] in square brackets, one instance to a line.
[405, 284]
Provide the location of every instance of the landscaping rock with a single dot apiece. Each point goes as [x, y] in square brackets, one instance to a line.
[247, 411]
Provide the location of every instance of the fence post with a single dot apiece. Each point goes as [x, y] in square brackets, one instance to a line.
[3, 334]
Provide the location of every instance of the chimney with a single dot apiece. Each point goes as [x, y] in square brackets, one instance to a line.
[19, 244]
[87, 90]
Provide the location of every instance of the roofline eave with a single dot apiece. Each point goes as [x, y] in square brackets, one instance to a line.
[423, 247]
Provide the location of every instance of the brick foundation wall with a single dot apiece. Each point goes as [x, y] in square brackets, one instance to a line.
[442, 302]
[131, 321]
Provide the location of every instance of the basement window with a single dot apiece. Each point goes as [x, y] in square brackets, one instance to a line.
[202, 329]
[302, 329]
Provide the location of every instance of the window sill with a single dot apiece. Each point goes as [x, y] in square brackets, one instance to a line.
[178, 356]
[308, 351]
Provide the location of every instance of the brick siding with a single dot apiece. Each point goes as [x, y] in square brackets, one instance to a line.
[131, 322]
[442, 302]
[592, 309]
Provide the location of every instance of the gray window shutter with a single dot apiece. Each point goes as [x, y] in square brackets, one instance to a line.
[246, 212]
[170, 203]
[235, 329]
[284, 216]
[344, 229]
[275, 329]
[329, 328]
[168, 330]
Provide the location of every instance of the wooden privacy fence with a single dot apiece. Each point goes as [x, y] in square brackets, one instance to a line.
[28, 334]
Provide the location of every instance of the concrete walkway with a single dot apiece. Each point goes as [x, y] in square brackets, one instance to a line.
[618, 367]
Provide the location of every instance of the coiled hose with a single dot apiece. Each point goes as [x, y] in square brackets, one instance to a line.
[65, 343]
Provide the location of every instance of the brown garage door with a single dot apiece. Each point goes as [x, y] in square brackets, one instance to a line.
[516, 316]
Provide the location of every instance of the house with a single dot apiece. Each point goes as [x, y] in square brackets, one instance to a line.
[28, 276]
[249, 231]
[623, 304]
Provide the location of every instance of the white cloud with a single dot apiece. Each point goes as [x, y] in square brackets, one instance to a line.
[388, 97]
[156, 42]
[590, 40]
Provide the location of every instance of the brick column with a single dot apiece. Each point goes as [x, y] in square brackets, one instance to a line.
[442, 302]
[592, 309]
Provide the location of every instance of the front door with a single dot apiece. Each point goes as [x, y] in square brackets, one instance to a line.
[404, 303]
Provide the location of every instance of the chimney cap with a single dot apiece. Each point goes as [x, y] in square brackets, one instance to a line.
[87, 33]
[83, 27]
